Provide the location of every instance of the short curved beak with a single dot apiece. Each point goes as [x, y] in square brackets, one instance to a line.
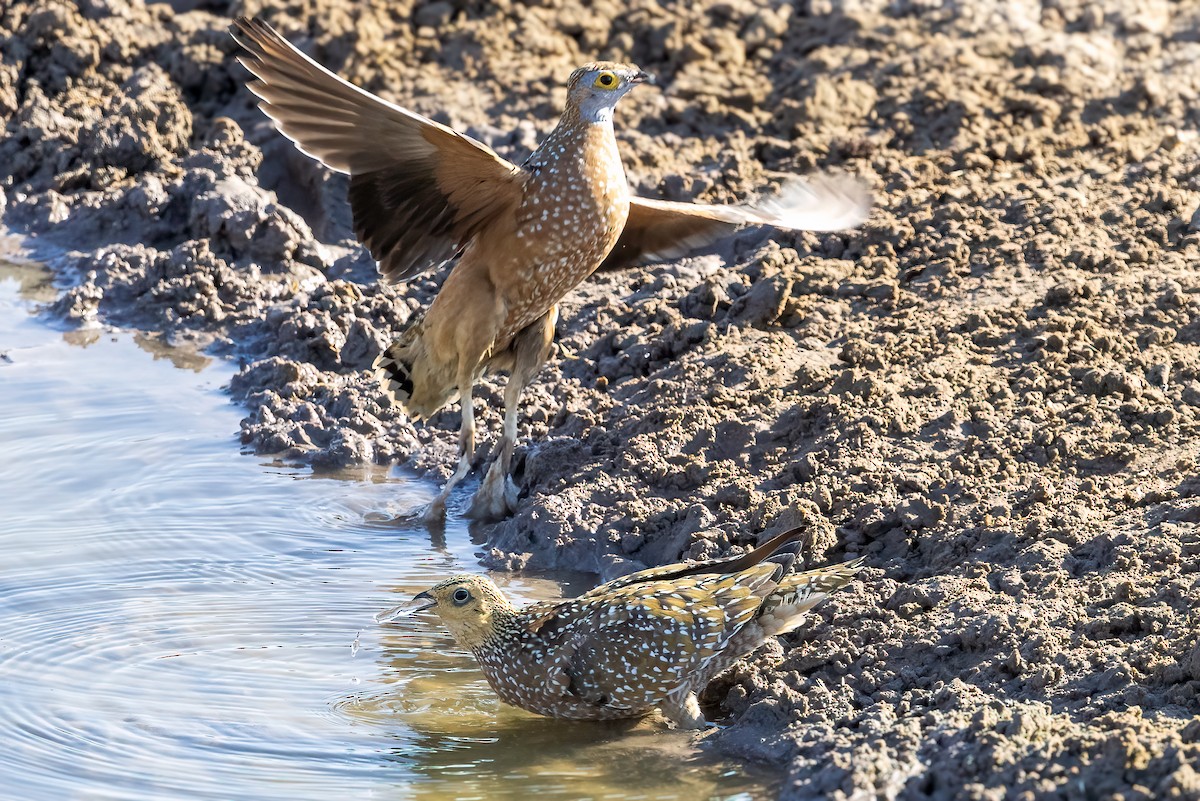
[420, 602]
[643, 77]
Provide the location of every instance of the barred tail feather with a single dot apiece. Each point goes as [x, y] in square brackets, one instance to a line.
[395, 374]
[412, 377]
[796, 594]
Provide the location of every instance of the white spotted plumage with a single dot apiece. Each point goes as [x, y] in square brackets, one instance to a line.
[521, 237]
[650, 640]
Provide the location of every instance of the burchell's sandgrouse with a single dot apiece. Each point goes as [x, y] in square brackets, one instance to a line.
[423, 194]
[649, 640]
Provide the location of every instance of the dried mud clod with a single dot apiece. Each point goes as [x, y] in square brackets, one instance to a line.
[991, 390]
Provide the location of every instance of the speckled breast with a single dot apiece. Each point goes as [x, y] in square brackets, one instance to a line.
[576, 203]
[518, 671]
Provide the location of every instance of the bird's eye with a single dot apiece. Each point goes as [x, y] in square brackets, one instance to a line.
[461, 596]
[606, 80]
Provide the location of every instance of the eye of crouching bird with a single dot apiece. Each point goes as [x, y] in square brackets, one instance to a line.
[524, 236]
[649, 640]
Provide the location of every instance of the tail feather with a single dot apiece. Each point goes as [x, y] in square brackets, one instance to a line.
[784, 608]
[412, 378]
[395, 374]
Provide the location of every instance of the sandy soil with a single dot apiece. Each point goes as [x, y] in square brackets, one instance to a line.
[992, 390]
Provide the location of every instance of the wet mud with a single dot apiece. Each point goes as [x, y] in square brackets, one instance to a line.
[991, 390]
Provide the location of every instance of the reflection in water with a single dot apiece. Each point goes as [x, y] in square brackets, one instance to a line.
[182, 358]
[83, 337]
[456, 731]
[34, 283]
[178, 620]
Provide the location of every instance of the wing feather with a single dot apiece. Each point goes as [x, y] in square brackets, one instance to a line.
[658, 230]
[419, 190]
[635, 646]
[780, 543]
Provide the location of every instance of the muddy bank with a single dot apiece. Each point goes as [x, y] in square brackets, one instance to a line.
[991, 390]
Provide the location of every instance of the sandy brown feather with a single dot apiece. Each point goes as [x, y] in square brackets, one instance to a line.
[658, 230]
[419, 190]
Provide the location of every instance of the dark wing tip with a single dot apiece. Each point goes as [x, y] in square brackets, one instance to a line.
[736, 564]
[779, 541]
[256, 36]
[245, 27]
[252, 34]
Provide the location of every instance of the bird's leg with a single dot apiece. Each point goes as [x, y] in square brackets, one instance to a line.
[684, 711]
[496, 497]
[497, 494]
[435, 512]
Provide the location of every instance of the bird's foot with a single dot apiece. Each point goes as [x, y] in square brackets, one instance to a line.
[496, 497]
[703, 733]
[685, 712]
[434, 513]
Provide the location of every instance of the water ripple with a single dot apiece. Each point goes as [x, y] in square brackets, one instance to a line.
[179, 620]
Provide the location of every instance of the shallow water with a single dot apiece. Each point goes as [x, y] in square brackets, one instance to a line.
[181, 620]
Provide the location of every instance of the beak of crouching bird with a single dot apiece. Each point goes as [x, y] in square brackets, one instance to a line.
[419, 603]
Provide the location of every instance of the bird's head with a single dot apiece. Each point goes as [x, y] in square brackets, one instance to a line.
[468, 605]
[594, 89]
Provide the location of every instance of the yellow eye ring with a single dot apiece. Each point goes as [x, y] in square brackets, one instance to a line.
[606, 80]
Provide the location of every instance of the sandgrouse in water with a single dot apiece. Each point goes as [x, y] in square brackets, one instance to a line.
[423, 194]
[649, 640]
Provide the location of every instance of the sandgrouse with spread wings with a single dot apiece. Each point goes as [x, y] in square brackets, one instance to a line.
[422, 194]
[649, 640]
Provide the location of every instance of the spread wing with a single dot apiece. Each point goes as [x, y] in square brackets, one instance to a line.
[634, 647]
[418, 189]
[658, 230]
